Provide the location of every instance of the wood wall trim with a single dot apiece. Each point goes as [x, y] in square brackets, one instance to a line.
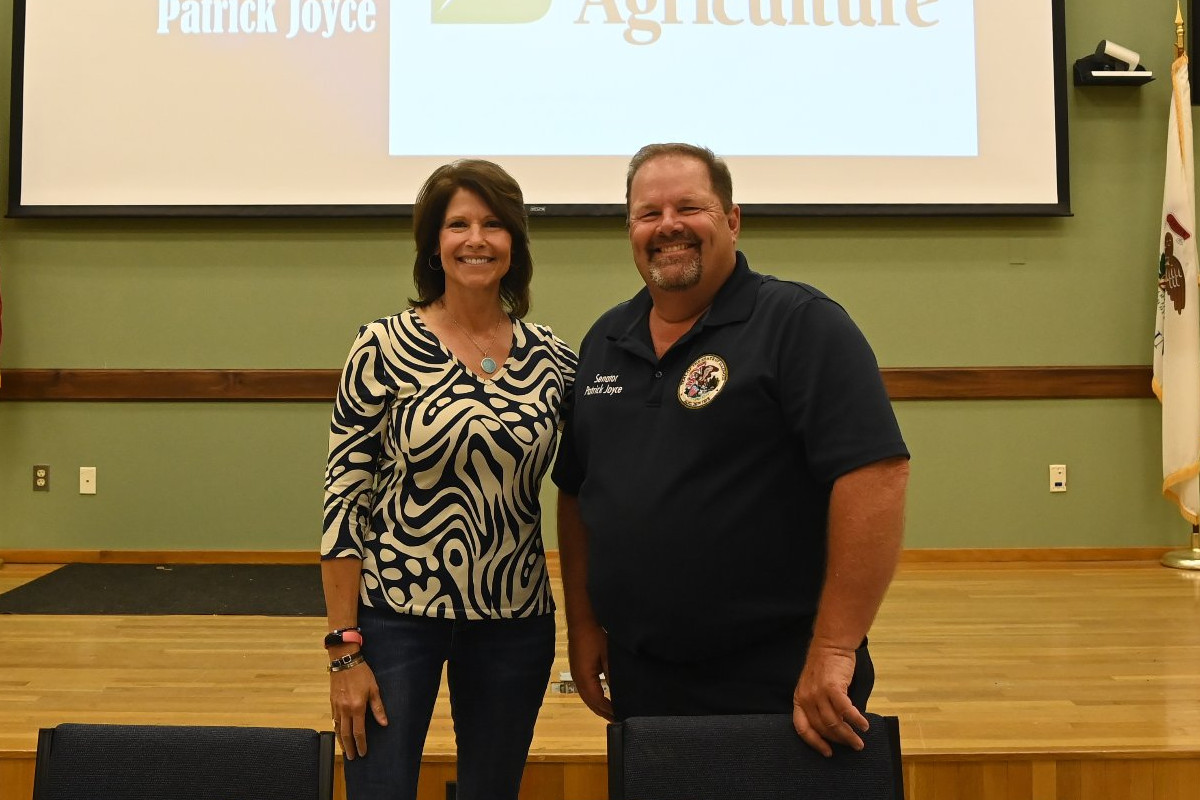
[1023, 556]
[320, 385]
[220, 385]
[1017, 383]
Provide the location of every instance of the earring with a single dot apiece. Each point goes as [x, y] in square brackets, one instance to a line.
[436, 266]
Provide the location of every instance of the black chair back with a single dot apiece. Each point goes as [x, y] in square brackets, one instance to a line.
[170, 762]
[749, 757]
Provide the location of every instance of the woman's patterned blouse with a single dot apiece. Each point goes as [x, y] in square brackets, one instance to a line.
[434, 473]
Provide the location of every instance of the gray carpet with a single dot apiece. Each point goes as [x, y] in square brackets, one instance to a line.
[270, 590]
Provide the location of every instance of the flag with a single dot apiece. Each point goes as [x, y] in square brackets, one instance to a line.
[1177, 326]
[1, 318]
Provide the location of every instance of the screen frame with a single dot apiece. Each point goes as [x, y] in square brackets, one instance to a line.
[1061, 207]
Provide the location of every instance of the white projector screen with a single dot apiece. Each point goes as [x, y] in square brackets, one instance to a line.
[343, 107]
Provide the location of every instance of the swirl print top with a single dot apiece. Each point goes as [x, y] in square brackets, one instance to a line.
[433, 472]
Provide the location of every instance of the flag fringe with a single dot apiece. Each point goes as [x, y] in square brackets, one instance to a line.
[1187, 472]
[1185, 512]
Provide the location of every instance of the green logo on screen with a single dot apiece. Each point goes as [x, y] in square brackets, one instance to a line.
[474, 12]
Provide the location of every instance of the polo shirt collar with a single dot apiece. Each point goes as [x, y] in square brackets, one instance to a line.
[735, 299]
[734, 303]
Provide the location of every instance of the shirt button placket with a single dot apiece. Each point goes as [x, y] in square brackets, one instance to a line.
[654, 396]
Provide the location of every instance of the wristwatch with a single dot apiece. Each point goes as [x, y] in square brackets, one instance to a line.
[343, 636]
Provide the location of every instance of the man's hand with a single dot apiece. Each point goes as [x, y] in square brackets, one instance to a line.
[821, 707]
[587, 647]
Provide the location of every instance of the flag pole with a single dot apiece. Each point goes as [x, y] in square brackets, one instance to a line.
[1190, 558]
[1179, 48]
[1185, 559]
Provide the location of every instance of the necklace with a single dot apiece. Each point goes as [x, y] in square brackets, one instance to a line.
[487, 364]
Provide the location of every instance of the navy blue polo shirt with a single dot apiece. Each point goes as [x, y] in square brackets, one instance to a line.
[704, 477]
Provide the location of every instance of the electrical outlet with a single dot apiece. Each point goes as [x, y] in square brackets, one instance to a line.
[1058, 477]
[41, 477]
[87, 480]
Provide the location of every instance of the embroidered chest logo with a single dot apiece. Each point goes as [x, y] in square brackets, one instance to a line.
[703, 381]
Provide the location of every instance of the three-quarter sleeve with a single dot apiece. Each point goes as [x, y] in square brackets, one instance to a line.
[355, 439]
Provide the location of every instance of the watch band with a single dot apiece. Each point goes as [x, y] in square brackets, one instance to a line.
[346, 662]
[343, 636]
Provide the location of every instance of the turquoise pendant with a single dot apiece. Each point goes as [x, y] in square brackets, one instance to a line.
[488, 364]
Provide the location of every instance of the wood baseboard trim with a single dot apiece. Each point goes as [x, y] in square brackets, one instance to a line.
[320, 385]
[1029, 555]
[997, 555]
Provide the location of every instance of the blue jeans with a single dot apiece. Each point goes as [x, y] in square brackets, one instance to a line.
[497, 671]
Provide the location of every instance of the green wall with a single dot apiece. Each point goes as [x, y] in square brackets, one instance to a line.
[290, 294]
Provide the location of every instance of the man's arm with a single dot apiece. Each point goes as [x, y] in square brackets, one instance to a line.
[587, 643]
[866, 528]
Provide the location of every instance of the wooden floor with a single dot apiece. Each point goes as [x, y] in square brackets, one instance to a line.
[1034, 681]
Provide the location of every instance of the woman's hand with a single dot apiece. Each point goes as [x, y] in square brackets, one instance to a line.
[351, 692]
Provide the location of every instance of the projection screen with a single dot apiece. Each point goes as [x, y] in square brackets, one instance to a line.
[343, 107]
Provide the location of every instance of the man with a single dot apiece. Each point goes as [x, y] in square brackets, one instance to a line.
[731, 479]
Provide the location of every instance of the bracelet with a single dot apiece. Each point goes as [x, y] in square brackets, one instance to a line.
[346, 662]
[343, 636]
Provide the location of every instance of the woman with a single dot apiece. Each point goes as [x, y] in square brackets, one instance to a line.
[445, 422]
